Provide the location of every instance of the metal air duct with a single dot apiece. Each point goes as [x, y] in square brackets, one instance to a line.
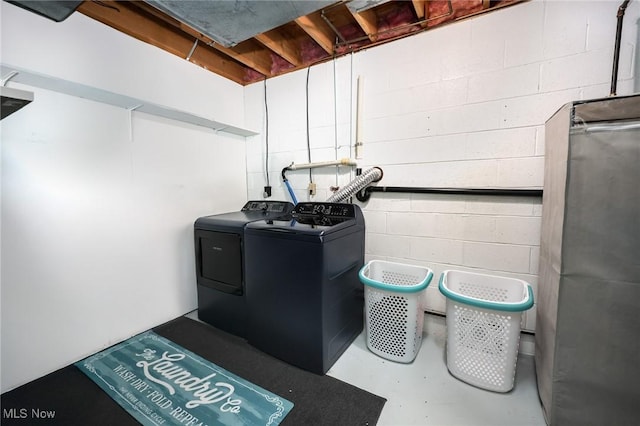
[231, 22]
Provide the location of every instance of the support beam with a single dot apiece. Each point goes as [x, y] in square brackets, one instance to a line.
[281, 45]
[249, 53]
[318, 30]
[368, 21]
[422, 8]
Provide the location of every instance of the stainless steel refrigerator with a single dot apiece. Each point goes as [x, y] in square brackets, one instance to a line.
[587, 339]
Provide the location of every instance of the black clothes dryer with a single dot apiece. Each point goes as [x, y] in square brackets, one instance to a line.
[220, 264]
[304, 297]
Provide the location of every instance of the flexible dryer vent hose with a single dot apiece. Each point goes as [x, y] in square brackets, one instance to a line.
[373, 174]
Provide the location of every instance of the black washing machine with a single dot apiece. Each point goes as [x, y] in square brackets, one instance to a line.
[220, 264]
[304, 298]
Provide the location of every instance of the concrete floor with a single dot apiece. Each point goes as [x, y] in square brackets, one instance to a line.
[425, 393]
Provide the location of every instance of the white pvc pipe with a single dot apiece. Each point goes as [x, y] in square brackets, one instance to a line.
[341, 162]
[359, 142]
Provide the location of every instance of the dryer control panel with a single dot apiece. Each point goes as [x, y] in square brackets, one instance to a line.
[267, 206]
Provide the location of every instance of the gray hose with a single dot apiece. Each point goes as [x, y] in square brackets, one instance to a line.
[373, 174]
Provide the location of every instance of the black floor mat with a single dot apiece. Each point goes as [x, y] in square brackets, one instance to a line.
[76, 400]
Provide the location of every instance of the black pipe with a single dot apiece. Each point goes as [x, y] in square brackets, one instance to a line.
[285, 170]
[365, 194]
[616, 51]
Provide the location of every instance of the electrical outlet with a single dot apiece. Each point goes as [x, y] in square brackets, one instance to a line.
[312, 188]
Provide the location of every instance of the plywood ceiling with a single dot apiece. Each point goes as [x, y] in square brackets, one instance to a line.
[335, 30]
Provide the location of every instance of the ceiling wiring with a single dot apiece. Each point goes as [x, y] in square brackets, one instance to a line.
[308, 136]
[266, 133]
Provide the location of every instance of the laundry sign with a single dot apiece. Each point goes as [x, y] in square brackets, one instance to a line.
[161, 383]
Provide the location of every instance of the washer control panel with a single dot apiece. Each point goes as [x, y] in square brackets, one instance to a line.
[334, 210]
[323, 213]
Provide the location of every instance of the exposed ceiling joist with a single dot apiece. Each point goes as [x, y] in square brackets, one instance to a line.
[281, 45]
[333, 29]
[318, 30]
[368, 21]
[422, 8]
[251, 54]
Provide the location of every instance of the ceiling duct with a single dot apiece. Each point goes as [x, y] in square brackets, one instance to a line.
[53, 9]
[13, 100]
[358, 6]
[232, 22]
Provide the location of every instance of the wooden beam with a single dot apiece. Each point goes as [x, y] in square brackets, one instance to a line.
[281, 45]
[126, 17]
[422, 11]
[318, 30]
[368, 21]
[422, 8]
[249, 53]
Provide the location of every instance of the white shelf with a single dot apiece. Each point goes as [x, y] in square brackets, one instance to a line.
[42, 81]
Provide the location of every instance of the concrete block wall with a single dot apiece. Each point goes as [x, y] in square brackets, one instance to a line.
[459, 106]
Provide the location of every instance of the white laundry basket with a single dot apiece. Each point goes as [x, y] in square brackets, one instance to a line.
[483, 327]
[394, 308]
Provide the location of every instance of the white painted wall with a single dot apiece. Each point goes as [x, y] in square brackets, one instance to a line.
[459, 106]
[97, 240]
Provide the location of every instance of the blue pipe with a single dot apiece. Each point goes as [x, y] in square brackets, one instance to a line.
[293, 195]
